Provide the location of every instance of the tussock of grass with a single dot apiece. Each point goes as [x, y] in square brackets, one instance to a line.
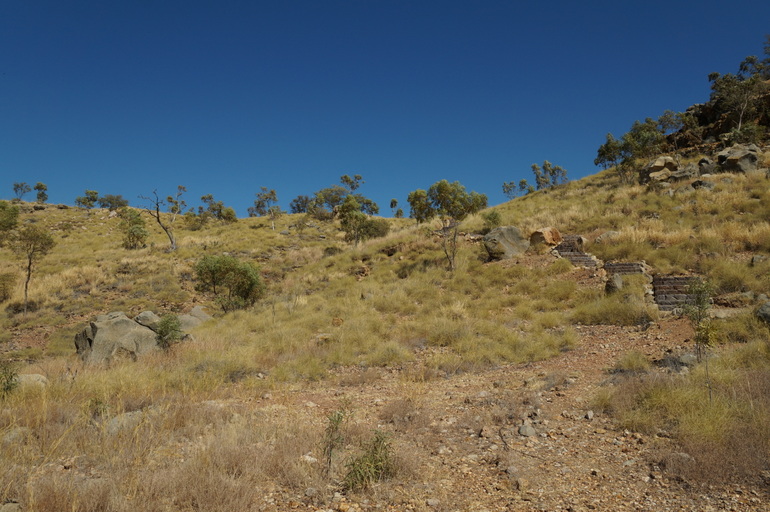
[719, 418]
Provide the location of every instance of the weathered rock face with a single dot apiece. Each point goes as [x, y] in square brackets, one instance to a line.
[549, 237]
[111, 335]
[114, 335]
[739, 158]
[505, 242]
[193, 319]
[659, 170]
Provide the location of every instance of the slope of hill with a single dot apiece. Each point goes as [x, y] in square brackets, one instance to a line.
[371, 378]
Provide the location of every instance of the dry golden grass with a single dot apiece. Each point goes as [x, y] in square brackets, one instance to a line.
[388, 303]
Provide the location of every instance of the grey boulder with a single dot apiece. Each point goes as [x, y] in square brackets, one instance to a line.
[505, 242]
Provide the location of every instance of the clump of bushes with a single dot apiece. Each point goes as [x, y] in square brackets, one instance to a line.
[235, 284]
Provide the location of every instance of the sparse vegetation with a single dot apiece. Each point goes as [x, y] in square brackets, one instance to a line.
[384, 324]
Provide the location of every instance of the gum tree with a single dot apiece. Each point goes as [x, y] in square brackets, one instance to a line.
[265, 205]
[41, 189]
[21, 189]
[30, 243]
[451, 203]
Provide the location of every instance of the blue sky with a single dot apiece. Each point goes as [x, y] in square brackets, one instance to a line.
[224, 97]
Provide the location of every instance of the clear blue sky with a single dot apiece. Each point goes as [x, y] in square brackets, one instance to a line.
[224, 97]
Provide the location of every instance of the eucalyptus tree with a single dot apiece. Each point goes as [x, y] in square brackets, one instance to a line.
[451, 203]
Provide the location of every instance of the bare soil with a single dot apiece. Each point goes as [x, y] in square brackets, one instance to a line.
[459, 438]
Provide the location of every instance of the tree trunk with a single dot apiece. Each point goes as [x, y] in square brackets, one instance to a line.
[26, 284]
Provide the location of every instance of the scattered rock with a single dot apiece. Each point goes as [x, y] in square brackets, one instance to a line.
[707, 185]
[614, 284]
[527, 431]
[763, 313]
[607, 236]
[707, 166]
[124, 422]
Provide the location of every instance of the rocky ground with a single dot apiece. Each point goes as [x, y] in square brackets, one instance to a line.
[520, 437]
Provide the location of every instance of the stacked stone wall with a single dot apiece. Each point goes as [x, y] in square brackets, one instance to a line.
[671, 292]
[571, 249]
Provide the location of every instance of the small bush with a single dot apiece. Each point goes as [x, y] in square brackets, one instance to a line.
[373, 465]
[133, 227]
[168, 331]
[492, 219]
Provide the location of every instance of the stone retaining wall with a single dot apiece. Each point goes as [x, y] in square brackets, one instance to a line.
[571, 249]
[627, 268]
[671, 292]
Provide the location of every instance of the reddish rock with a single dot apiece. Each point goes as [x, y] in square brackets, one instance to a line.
[546, 236]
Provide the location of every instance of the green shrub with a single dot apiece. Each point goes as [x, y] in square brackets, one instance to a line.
[492, 219]
[133, 227]
[235, 284]
[168, 331]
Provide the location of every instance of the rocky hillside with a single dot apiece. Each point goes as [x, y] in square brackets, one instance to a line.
[561, 376]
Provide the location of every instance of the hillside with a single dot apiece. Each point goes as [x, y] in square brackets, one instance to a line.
[504, 385]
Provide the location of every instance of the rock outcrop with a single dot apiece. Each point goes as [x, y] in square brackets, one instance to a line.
[116, 335]
[739, 158]
[505, 242]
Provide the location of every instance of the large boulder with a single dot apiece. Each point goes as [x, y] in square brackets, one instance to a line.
[505, 242]
[112, 335]
[545, 237]
[739, 158]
